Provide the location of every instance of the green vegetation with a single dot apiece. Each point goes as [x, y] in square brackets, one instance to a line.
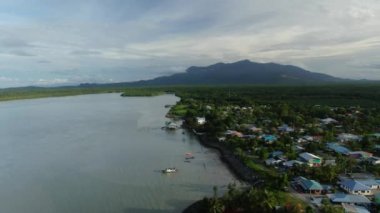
[240, 118]
[251, 200]
[178, 110]
[142, 92]
[39, 92]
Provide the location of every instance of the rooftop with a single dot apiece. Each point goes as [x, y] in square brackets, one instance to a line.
[348, 198]
[354, 185]
[308, 156]
[338, 148]
[309, 184]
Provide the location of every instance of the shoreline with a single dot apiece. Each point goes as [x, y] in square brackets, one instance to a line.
[237, 168]
[241, 171]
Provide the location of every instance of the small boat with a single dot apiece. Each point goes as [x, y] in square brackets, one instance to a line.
[170, 125]
[169, 170]
[189, 156]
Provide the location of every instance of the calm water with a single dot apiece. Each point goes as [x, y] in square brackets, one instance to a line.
[99, 153]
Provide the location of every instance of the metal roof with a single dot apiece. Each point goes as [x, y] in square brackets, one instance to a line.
[354, 185]
[348, 198]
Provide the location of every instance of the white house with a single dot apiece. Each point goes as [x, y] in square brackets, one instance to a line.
[311, 159]
[344, 137]
[201, 120]
[326, 121]
[374, 160]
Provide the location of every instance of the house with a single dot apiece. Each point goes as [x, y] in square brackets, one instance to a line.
[309, 186]
[338, 148]
[298, 148]
[291, 163]
[371, 183]
[310, 159]
[201, 120]
[355, 187]
[269, 138]
[374, 160]
[254, 129]
[350, 199]
[234, 133]
[276, 154]
[327, 121]
[344, 137]
[272, 161]
[360, 155]
[349, 208]
[285, 128]
[375, 135]
[305, 139]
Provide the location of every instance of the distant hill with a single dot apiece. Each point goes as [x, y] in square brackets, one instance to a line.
[241, 72]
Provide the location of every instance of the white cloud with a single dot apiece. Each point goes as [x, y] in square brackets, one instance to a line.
[124, 40]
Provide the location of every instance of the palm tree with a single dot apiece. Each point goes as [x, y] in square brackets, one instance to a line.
[215, 205]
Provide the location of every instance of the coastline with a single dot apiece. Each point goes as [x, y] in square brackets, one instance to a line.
[241, 171]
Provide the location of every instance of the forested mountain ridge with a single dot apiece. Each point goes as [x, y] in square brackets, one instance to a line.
[241, 72]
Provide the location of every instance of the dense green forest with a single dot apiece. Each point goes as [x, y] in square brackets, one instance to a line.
[350, 94]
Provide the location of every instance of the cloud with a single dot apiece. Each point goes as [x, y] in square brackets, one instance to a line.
[21, 53]
[131, 40]
[14, 43]
[44, 62]
[85, 52]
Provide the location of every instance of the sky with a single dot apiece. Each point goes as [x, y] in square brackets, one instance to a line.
[55, 42]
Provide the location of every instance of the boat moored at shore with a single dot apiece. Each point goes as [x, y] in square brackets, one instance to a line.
[170, 170]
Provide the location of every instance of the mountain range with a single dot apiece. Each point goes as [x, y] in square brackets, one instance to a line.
[240, 72]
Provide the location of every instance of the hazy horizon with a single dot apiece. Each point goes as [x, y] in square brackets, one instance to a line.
[53, 43]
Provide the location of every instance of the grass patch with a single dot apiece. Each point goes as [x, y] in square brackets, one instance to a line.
[287, 199]
[261, 169]
[178, 110]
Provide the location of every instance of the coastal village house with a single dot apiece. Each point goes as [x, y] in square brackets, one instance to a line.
[374, 160]
[234, 133]
[269, 138]
[285, 128]
[201, 120]
[349, 199]
[327, 121]
[309, 186]
[360, 155]
[291, 163]
[355, 187]
[311, 159]
[344, 137]
[335, 147]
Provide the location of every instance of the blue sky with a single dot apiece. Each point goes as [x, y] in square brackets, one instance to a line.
[51, 42]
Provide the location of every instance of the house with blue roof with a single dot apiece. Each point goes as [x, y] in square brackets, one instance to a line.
[355, 187]
[309, 186]
[349, 208]
[335, 147]
[285, 128]
[347, 198]
[371, 183]
[269, 138]
[276, 154]
[311, 159]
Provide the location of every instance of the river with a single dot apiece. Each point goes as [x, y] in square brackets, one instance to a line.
[100, 153]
